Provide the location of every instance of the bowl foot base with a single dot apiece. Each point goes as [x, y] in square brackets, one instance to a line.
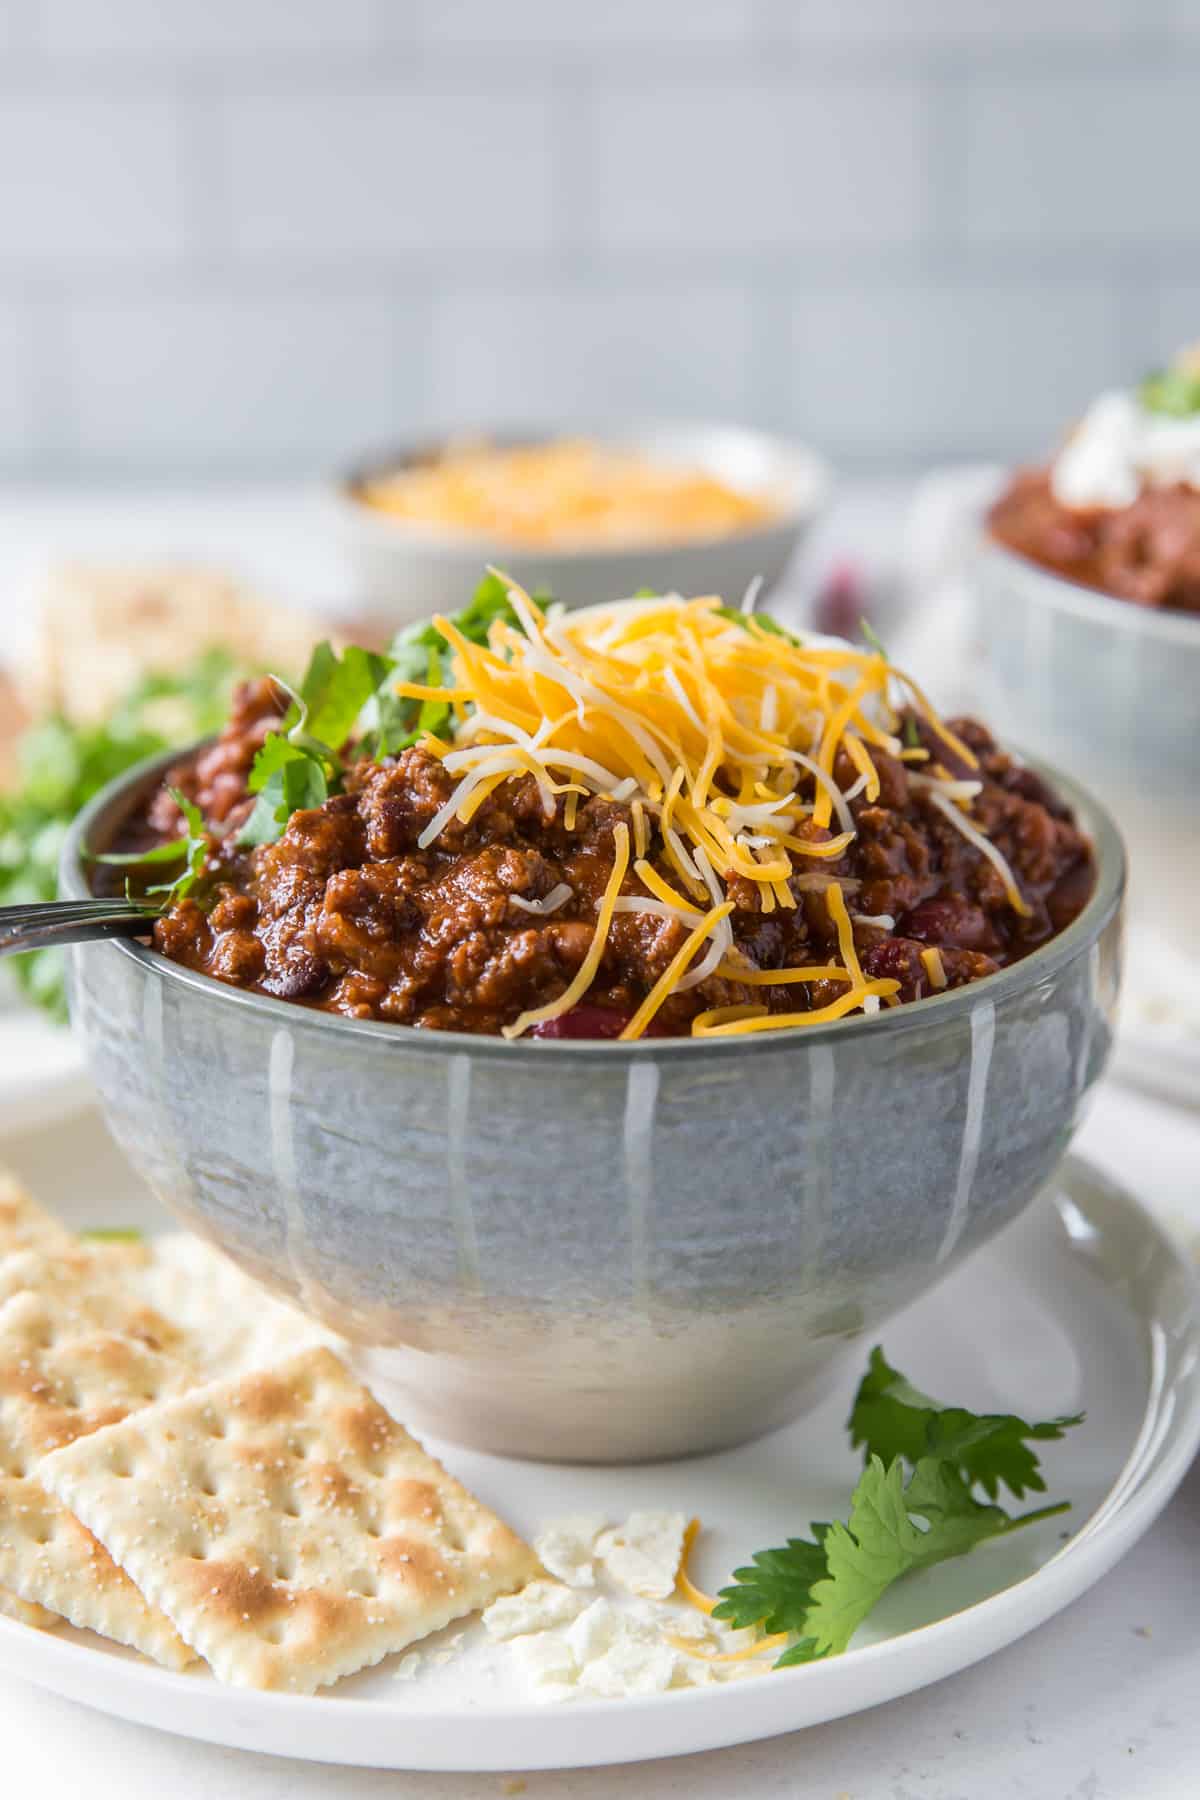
[655, 1424]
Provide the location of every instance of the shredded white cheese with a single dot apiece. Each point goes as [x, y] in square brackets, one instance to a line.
[558, 896]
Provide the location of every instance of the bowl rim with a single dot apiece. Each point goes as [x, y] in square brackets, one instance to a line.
[806, 481]
[1095, 605]
[1047, 960]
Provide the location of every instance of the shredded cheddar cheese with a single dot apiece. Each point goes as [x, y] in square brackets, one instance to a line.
[566, 493]
[586, 972]
[731, 745]
[705, 1603]
[668, 981]
[934, 967]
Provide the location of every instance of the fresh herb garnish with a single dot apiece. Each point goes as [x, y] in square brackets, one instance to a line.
[873, 638]
[392, 722]
[1174, 391]
[195, 849]
[294, 769]
[141, 859]
[912, 1507]
[891, 1418]
[62, 765]
[738, 617]
[114, 1234]
[354, 695]
[335, 690]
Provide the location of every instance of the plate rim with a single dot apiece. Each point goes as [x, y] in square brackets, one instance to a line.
[537, 1737]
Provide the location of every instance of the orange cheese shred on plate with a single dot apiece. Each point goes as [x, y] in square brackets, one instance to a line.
[728, 742]
[706, 1603]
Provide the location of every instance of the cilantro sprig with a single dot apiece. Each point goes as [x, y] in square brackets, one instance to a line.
[391, 722]
[354, 696]
[736, 617]
[891, 1419]
[913, 1507]
[1174, 391]
[61, 764]
[191, 849]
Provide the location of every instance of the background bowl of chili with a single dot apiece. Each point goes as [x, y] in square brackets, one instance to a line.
[1108, 690]
[597, 1251]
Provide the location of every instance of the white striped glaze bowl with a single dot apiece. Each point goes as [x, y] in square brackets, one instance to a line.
[596, 1251]
[1110, 692]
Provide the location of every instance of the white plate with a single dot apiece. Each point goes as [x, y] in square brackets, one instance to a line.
[42, 1077]
[1158, 1041]
[1085, 1303]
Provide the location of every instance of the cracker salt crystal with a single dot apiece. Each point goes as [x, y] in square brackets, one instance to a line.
[291, 1530]
[566, 1548]
[643, 1554]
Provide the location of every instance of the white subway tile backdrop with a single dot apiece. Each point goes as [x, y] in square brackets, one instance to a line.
[254, 236]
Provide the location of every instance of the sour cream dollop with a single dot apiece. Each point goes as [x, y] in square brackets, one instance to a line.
[1119, 447]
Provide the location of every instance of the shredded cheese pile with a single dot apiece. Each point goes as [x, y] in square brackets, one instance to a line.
[722, 737]
[567, 493]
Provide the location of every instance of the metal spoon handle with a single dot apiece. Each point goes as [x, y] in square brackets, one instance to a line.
[34, 926]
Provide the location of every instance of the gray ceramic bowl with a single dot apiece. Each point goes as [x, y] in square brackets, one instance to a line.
[1110, 692]
[403, 573]
[597, 1252]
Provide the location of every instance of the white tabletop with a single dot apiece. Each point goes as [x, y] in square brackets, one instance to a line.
[1100, 1704]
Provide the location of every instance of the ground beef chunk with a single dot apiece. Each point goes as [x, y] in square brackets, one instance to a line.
[349, 912]
[1148, 552]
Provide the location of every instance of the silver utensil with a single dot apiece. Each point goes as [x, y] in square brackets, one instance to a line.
[46, 922]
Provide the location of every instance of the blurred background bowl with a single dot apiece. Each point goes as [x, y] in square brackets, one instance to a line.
[402, 572]
[596, 1252]
[1110, 692]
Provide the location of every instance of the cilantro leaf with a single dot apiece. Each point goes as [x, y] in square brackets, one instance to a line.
[774, 1591]
[490, 602]
[1174, 391]
[891, 1419]
[894, 1530]
[298, 768]
[335, 690]
[822, 1590]
[287, 778]
[872, 637]
[390, 721]
[141, 859]
[737, 617]
[195, 849]
[912, 1507]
